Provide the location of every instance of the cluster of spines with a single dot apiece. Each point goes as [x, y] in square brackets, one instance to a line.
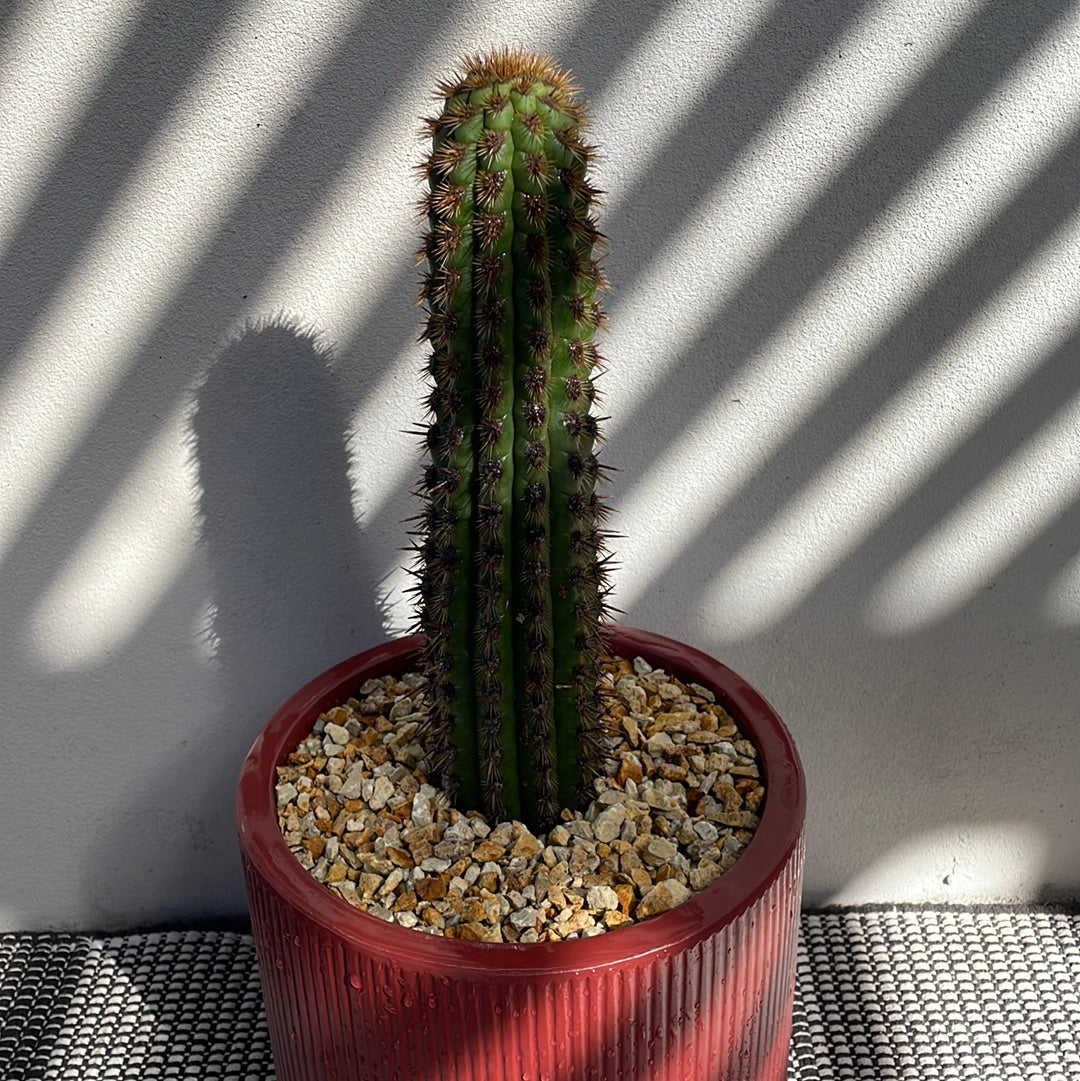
[511, 544]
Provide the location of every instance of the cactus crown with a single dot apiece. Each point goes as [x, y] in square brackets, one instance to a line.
[511, 553]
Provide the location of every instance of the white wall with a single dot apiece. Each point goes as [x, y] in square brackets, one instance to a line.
[844, 388]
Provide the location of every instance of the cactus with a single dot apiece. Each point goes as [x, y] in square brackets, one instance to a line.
[511, 553]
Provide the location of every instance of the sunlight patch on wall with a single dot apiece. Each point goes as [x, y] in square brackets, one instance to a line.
[384, 428]
[125, 563]
[50, 68]
[974, 544]
[149, 243]
[958, 864]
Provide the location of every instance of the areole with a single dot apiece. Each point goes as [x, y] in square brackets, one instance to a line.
[702, 991]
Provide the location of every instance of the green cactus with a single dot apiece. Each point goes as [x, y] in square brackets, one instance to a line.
[512, 556]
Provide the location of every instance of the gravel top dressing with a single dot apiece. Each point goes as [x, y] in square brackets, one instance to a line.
[676, 808]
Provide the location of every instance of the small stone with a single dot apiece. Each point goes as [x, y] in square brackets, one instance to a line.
[353, 784]
[435, 865]
[629, 769]
[368, 884]
[705, 872]
[706, 830]
[381, 792]
[337, 733]
[401, 708]
[423, 809]
[658, 851]
[488, 850]
[432, 889]
[526, 846]
[286, 793]
[559, 836]
[525, 917]
[609, 823]
[631, 695]
[663, 897]
[660, 744]
[602, 899]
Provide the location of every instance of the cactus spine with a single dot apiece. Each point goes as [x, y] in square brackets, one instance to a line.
[511, 553]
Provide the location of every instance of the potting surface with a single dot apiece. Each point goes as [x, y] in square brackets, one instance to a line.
[919, 993]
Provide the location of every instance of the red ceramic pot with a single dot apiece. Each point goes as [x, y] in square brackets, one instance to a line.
[701, 993]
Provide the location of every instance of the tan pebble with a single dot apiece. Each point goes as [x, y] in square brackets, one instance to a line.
[663, 897]
[432, 888]
[315, 845]
[681, 721]
[615, 919]
[488, 850]
[429, 833]
[405, 902]
[629, 768]
[705, 872]
[488, 880]
[479, 932]
[368, 884]
[729, 796]
[421, 850]
[472, 909]
[559, 836]
[525, 847]
[577, 921]
[745, 771]
[399, 857]
[432, 917]
[671, 772]
[669, 870]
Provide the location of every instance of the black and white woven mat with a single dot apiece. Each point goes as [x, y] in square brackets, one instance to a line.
[920, 994]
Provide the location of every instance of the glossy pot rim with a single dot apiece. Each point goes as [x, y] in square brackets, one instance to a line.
[702, 915]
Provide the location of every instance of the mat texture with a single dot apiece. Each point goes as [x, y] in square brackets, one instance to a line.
[920, 994]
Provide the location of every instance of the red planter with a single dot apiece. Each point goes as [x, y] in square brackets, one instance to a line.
[701, 993]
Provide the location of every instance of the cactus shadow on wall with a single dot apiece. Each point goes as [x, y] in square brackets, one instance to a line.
[292, 592]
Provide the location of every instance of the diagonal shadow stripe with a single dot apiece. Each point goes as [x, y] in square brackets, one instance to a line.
[993, 42]
[975, 275]
[150, 72]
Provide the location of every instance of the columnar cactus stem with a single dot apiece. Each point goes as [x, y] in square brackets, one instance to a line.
[511, 565]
